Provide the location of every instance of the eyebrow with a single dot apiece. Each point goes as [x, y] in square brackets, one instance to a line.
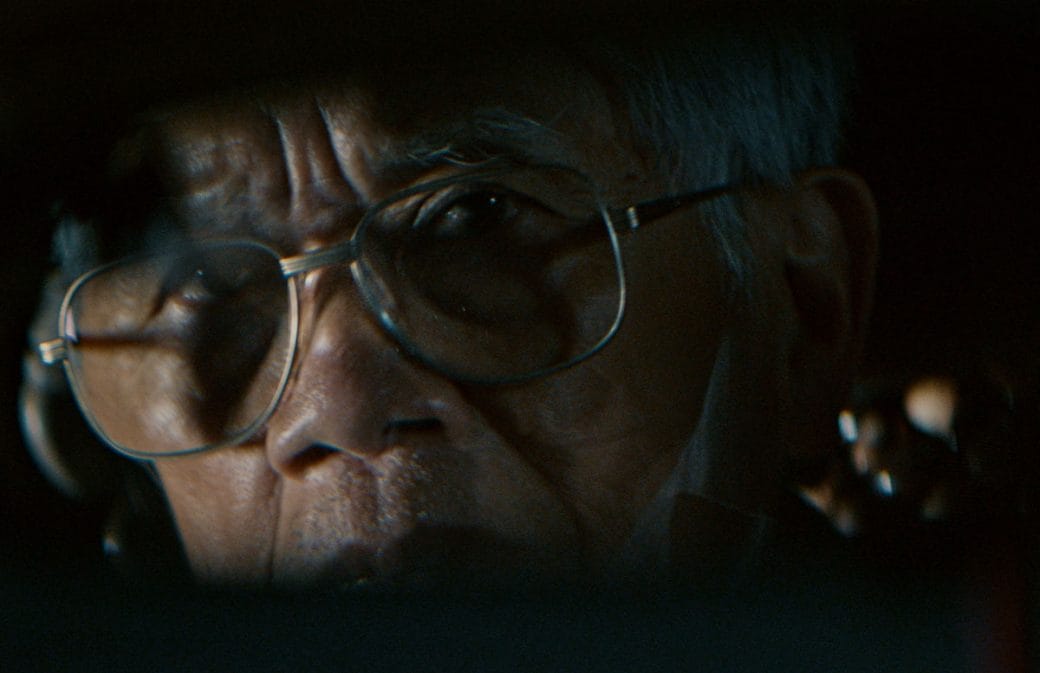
[484, 136]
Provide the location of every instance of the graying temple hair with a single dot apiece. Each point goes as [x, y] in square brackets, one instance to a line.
[735, 102]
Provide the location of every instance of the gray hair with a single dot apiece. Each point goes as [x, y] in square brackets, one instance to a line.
[737, 102]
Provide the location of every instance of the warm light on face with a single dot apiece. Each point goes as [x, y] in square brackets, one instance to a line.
[439, 383]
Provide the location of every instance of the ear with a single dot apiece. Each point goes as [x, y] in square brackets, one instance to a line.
[830, 255]
[830, 252]
[57, 437]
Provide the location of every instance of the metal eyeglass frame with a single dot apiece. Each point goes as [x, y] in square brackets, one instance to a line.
[618, 222]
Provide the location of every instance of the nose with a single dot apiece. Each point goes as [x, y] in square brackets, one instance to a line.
[353, 390]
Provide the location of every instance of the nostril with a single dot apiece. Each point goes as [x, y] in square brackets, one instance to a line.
[308, 458]
[297, 461]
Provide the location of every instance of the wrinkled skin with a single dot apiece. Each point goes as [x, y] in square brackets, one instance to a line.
[549, 476]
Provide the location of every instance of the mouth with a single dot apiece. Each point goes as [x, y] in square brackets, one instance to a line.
[441, 558]
[414, 520]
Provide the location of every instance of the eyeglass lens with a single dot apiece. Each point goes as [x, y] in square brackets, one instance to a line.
[495, 280]
[486, 280]
[180, 351]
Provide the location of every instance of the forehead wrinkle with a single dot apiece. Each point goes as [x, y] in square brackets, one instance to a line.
[216, 197]
[326, 171]
[336, 141]
[216, 169]
[273, 168]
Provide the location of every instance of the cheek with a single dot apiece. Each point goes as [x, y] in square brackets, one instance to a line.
[650, 380]
[140, 402]
[592, 437]
[491, 486]
[677, 311]
[225, 507]
[609, 431]
[242, 523]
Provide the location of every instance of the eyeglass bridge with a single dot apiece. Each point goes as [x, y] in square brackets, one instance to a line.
[308, 261]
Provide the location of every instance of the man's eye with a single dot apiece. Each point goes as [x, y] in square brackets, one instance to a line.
[468, 216]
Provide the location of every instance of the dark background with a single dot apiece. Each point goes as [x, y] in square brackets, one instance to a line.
[944, 129]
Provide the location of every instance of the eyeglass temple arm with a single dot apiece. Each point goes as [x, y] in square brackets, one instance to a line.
[643, 213]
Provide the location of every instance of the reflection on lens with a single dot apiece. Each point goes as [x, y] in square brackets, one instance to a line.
[180, 351]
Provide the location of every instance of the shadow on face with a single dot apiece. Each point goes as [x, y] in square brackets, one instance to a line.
[338, 265]
[374, 464]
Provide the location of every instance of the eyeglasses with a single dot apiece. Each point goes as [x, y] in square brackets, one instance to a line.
[493, 276]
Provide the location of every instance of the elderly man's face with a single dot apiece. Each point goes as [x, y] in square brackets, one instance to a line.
[373, 465]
